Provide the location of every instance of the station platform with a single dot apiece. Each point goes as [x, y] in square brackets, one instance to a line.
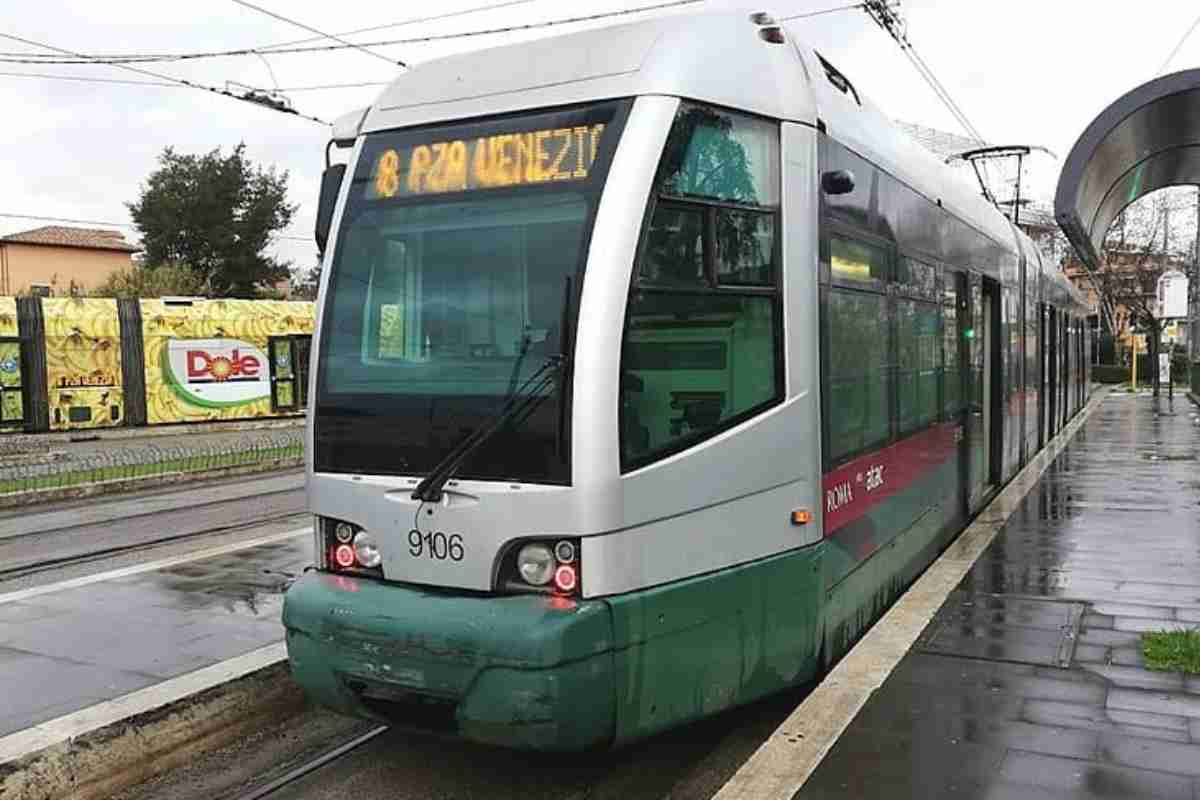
[86, 641]
[1029, 682]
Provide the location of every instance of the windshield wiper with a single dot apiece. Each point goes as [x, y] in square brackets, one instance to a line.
[518, 404]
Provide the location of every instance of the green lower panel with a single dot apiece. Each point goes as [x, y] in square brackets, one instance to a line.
[524, 671]
[540, 673]
[695, 647]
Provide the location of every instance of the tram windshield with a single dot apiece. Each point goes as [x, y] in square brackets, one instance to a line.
[458, 262]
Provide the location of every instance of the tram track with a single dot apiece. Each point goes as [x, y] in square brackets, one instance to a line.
[49, 540]
[38, 566]
[312, 765]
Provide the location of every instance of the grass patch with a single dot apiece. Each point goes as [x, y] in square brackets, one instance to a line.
[1172, 651]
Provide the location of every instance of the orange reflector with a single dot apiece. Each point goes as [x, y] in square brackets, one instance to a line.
[801, 516]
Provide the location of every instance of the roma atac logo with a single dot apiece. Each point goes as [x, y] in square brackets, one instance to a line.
[216, 373]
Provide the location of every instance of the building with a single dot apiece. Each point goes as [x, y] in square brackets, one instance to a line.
[56, 260]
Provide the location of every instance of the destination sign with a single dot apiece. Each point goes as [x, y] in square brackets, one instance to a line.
[519, 158]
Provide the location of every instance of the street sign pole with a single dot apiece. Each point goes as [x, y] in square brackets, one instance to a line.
[1133, 367]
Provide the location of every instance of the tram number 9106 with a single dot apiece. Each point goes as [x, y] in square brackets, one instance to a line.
[435, 545]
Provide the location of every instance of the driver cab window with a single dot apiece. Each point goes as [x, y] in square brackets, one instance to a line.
[701, 348]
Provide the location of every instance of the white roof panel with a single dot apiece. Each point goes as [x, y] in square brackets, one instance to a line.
[712, 57]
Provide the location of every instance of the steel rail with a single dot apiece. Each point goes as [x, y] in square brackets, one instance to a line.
[144, 514]
[308, 767]
[45, 565]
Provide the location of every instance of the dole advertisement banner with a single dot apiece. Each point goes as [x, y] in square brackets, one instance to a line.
[217, 373]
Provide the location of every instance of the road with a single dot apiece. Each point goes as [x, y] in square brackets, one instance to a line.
[690, 763]
[58, 541]
[63, 541]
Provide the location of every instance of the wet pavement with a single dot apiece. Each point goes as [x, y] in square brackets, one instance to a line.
[1029, 682]
[63, 649]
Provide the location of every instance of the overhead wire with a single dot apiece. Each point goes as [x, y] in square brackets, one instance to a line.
[265, 49]
[181, 81]
[134, 58]
[174, 85]
[1178, 47]
[322, 34]
[808, 14]
[403, 23]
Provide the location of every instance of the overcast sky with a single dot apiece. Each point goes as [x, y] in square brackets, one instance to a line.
[1024, 71]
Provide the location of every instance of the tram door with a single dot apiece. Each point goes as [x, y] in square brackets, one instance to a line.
[1043, 374]
[1052, 374]
[981, 297]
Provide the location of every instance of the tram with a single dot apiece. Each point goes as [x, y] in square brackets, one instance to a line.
[90, 363]
[652, 363]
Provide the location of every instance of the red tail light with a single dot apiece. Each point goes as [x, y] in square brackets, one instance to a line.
[343, 556]
[565, 578]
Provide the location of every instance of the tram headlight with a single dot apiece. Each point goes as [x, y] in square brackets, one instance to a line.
[535, 563]
[365, 550]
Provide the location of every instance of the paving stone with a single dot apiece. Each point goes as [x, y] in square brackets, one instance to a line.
[1138, 678]
[1110, 638]
[1179, 759]
[1146, 719]
[1092, 779]
[1128, 656]
[1092, 653]
[1145, 625]
[1180, 703]
[1092, 621]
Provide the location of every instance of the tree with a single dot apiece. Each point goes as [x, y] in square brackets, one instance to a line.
[166, 280]
[1137, 251]
[217, 215]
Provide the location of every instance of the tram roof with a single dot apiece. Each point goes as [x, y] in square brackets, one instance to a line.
[715, 57]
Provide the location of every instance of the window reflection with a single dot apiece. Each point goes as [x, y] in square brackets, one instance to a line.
[720, 155]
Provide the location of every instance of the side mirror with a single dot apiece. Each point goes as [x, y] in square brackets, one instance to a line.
[331, 182]
[838, 181]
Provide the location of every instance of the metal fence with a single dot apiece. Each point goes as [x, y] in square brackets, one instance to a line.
[30, 465]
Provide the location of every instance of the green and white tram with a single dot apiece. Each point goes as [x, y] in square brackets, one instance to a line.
[652, 363]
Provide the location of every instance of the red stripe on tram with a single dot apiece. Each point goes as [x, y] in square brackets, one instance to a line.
[853, 489]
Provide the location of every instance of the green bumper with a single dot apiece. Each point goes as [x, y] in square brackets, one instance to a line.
[535, 672]
[527, 671]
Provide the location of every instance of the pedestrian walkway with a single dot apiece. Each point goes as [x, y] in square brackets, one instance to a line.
[1029, 681]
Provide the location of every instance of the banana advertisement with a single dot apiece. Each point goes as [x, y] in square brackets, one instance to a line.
[209, 360]
[11, 401]
[83, 362]
[201, 360]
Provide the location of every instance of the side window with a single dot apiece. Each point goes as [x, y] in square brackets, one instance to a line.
[857, 335]
[919, 349]
[702, 341]
[918, 344]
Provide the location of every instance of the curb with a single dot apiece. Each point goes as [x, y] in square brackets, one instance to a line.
[128, 752]
[35, 496]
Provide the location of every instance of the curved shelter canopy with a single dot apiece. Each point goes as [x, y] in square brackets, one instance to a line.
[1147, 140]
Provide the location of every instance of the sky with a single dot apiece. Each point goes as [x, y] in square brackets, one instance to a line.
[1024, 72]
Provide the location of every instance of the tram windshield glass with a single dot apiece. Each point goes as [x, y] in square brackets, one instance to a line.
[458, 262]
